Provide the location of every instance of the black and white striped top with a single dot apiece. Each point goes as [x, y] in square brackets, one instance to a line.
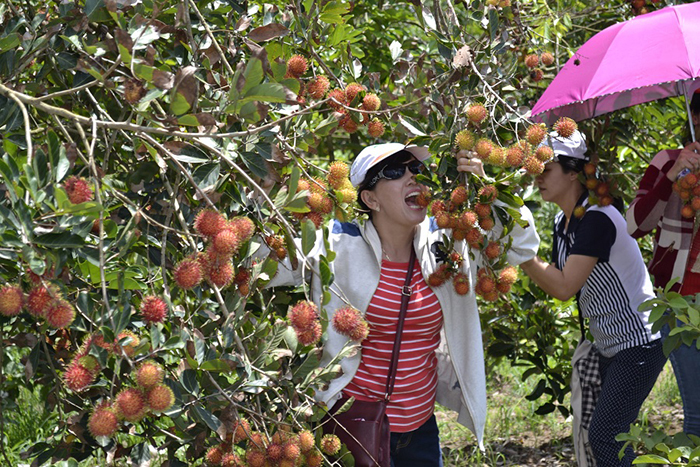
[619, 282]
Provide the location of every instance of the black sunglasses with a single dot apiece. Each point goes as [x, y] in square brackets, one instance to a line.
[396, 170]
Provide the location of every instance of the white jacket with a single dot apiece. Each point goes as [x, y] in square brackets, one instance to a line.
[356, 269]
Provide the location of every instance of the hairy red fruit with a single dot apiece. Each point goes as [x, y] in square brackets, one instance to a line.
[60, 314]
[330, 444]
[461, 283]
[103, 421]
[439, 276]
[535, 134]
[359, 332]
[544, 154]
[487, 223]
[188, 273]
[492, 250]
[160, 398]
[153, 309]
[149, 373]
[231, 460]
[226, 242]
[437, 207]
[78, 190]
[337, 100]
[533, 166]
[274, 452]
[209, 223]
[537, 75]
[482, 210]
[515, 156]
[77, 377]
[459, 195]
[318, 88]
[477, 113]
[423, 199]
[214, 456]
[579, 211]
[296, 66]
[497, 157]
[255, 458]
[314, 459]
[465, 140]
[291, 451]
[11, 300]
[688, 212]
[371, 102]
[488, 193]
[589, 169]
[508, 275]
[483, 148]
[303, 314]
[309, 335]
[348, 124]
[338, 173]
[375, 128]
[348, 321]
[532, 60]
[485, 284]
[88, 362]
[592, 183]
[547, 59]
[565, 127]
[243, 227]
[352, 90]
[130, 404]
[128, 341]
[241, 430]
[307, 441]
[38, 301]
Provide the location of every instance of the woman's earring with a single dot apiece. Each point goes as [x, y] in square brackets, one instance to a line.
[378, 209]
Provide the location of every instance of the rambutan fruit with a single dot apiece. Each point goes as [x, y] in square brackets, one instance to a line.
[486, 284]
[103, 421]
[241, 430]
[338, 172]
[226, 242]
[459, 195]
[309, 335]
[231, 459]
[336, 100]
[60, 314]
[544, 154]
[38, 300]
[318, 87]
[535, 134]
[359, 332]
[296, 65]
[11, 300]
[345, 319]
[320, 202]
[348, 124]
[303, 314]
[318, 185]
[371, 102]
[602, 189]
[130, 404]
[316, 218]
[537, 75]
[307, 441]
[77, 189]
[547, 58]
[508, 275]
[589, 169]
[532, 60]
[330, 444]
[488, 193]
[579, 211]
[437, 207]
[492, 250]
[423, 199]
[153, 309]
[482, 210]
[477, 113]
[687, 211]
[497, 157]
[375, 128]
[456, 258]
[605, 200]
[442, 219]
[695, 203]
[346, 195]
[128, 342]
[291, 451]
[160, 398]
[188, 273]
[77, 377]
[352, 90]
[483, 148]
[533, 166]
[515, 156]
[465, 140]
[274, 452]
[502, 287]
[467, 220]
[255, 458]
[591, 183]
[565, 127]
[214, 456]
[487, 223]
[461, 283]
[88, 362]
[314, 458]
[243, 227]
[209, 223]
[220, 273]
[149, 373]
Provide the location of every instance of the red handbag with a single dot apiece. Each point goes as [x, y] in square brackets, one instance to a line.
[364, 426]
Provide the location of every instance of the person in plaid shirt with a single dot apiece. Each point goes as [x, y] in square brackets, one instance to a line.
[657, 208]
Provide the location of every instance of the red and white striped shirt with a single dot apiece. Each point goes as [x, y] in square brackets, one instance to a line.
[413, 399]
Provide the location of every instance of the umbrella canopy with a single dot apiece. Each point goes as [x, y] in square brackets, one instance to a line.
[650, 57]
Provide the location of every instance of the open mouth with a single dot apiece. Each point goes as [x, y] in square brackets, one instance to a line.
[412, 200]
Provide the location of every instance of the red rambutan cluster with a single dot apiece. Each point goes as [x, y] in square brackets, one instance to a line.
[11, 300]
[78, 189]
[687, 188]
[322, 192]
[349, 322]
[356, 96]
[153, 309]
[305, 321]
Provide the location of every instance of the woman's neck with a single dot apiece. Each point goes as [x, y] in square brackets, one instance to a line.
[396, 241]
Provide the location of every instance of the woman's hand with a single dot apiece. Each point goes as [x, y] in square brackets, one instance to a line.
[466, 162]
[689, 158]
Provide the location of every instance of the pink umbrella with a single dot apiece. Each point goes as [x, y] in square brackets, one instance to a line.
[650, 57]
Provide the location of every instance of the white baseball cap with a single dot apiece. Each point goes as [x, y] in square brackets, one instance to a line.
[372, 155]
[574, 146]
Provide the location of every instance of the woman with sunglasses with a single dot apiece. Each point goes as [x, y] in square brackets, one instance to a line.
[441, 355]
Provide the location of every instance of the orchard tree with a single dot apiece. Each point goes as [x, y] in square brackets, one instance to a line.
[159, 159]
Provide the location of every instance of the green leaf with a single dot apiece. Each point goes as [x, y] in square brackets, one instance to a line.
[268, 92]
[188, 379]
[411, 127]
[255, 162]
[650, 459]
[206, 175]
[60, 240]
[308, 236]
[216, 365]
[10, 42]
[253, 75]
[92, 6]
